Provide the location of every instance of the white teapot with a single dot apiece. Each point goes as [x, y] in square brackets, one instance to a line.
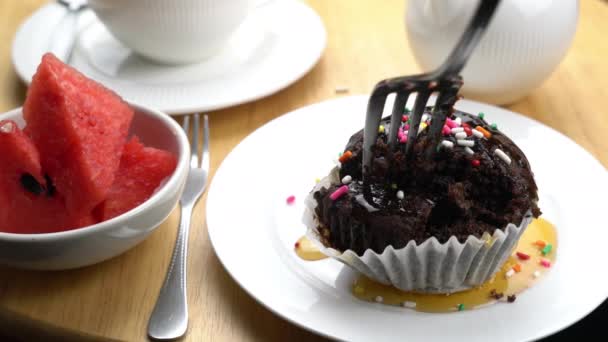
[524, 43]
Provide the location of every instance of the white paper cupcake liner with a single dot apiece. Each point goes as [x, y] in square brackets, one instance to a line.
[430, 267]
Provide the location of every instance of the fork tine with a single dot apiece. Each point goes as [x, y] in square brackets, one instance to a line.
[169, 318]
[186, 124]
[421, 98]
[205, 156]
[398, 107]
[443, 106]
[375, 107]
[196, 127]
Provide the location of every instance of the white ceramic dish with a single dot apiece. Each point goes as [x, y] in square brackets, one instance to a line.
[93, 244]
[253, 231]
[276, 45]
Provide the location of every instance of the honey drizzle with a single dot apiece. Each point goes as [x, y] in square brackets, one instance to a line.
[540, 229]
[306, 250]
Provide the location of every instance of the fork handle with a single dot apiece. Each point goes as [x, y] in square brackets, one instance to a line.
[169, 319]
[469, 39]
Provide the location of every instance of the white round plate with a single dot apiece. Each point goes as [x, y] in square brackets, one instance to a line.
[276, 45]
[253, 231]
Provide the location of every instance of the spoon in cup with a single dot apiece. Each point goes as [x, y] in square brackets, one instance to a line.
[65, 33]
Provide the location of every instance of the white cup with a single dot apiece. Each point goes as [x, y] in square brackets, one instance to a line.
[172, 31]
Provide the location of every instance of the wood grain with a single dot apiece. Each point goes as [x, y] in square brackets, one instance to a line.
[366, 42]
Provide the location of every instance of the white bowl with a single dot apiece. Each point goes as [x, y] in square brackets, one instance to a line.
[102, 241]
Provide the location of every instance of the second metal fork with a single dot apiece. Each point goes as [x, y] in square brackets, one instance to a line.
[169, 319]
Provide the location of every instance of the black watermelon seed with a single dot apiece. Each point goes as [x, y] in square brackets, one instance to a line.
[30, 184]
[50, 187]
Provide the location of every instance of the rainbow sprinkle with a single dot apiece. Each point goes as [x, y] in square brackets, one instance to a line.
[446, 130]
[460, 135]
[467, 143]
[500, 154]
[345, 157]
[451, 123]
[484, 131]
[447, 144]
[341, 191]
[522, 256]
[422, 127]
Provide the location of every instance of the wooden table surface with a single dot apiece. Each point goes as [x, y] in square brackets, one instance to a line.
[366, 43]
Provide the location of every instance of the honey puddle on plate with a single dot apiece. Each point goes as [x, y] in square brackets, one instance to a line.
[306, 250]
[539, 230]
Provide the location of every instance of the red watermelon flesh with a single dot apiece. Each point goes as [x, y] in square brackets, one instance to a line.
[27, 204]
[79, 128]
[19, 152]
[141, 171]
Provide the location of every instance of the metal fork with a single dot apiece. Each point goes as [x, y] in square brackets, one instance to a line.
[445, 80]
[169, 319]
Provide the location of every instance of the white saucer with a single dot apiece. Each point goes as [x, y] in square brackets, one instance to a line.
[253, 232]
[276, 45]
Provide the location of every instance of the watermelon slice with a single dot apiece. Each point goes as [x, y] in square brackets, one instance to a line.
[141, 171]
[20, 160]
[79, 128]
[28, 202]
[19, 152]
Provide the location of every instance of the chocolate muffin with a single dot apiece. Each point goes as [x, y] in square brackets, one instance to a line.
[469, 200]
[457, 191]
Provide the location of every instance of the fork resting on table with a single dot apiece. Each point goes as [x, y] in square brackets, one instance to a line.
[169, 319]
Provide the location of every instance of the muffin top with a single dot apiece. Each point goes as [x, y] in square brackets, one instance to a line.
[463, 188]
